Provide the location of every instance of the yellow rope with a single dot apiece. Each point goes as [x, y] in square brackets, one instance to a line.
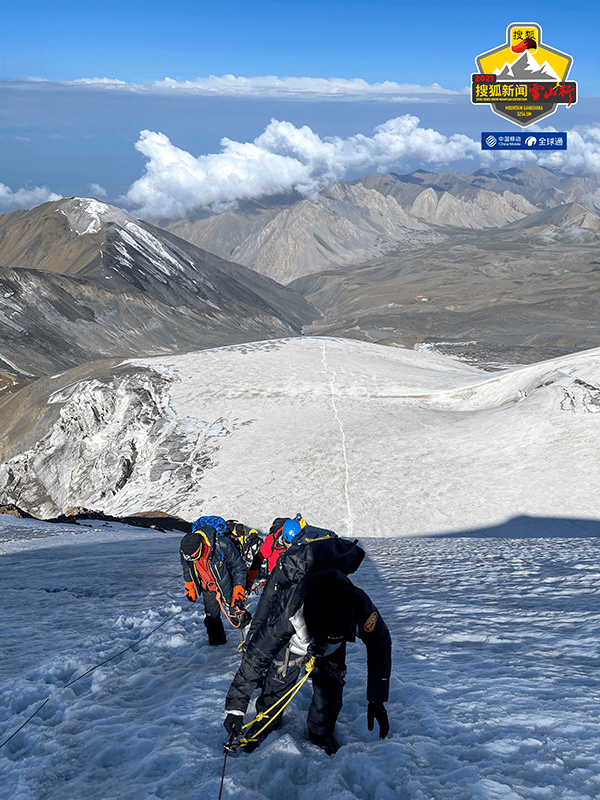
[266, 714]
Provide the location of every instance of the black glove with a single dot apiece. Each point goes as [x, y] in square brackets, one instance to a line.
[233, 724]
[315, 649]
[376, 711]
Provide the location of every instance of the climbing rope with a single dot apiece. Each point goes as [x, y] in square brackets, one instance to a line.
[287, 697]
[88, 672]
[235, 619]
[279, 705]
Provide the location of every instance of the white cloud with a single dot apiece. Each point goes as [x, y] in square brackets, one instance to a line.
[24, 198]
[176, 182]
[272, 86]
[97, 190]
[108, 82]
[282, 158]
[285, 158]
[582, 156]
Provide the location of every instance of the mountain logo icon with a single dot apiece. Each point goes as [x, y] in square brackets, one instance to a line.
[524, 79]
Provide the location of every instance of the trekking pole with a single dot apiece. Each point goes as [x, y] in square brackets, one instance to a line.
[226, 749]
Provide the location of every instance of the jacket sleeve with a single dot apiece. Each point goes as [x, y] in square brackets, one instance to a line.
[187, 568]
[373, 631]
[235, 563]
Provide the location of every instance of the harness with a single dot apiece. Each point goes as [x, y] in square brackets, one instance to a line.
[208, 582]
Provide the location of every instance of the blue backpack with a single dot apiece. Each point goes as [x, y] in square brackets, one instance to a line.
[218, 523]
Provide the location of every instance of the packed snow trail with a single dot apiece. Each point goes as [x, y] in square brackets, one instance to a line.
[350, 516]
[495, 692]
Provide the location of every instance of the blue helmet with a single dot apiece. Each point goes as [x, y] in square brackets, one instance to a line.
[290, 529]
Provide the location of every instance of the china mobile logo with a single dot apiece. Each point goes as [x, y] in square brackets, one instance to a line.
[523, 80]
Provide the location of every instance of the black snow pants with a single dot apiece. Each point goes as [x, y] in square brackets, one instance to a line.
[327, 682]
[212, 618]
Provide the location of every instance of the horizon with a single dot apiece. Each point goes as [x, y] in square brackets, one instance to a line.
[309, 94]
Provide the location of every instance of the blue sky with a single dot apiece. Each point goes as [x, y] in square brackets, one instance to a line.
[64, 127]
[380, 40]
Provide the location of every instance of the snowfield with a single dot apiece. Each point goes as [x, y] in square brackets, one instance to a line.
[474, 495]
[368, 440]
[495, 691]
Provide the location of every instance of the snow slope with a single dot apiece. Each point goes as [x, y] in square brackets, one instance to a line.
[368, 440]
[495, 692]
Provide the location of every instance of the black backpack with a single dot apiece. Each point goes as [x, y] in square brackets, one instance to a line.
[247, 542]
[327, 553]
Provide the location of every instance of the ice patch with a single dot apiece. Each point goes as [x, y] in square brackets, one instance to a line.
[491, 790]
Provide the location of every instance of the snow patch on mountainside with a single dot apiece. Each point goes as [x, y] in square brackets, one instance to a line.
[86, 215]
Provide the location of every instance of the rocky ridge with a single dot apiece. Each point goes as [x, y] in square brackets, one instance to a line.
[84, 280]
[346, 224]
[356, 221]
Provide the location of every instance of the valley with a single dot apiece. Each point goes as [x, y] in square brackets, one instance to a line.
[325, 355]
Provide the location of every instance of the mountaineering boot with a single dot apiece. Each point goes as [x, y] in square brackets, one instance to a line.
[216, 640]
[327, 743]
[273, 725]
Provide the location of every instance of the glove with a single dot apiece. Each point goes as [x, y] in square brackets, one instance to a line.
[190, 591]
[376, 711]
[233, 725]
[316, 649]
[239, 597]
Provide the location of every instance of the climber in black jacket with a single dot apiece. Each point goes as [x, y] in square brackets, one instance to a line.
[310, 608]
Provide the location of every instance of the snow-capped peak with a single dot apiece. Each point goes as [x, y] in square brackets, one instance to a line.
[87, 215]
